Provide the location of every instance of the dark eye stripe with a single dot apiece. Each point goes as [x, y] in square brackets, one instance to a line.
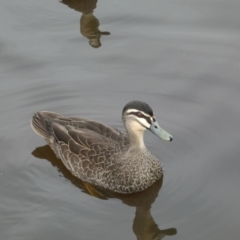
[148, 119]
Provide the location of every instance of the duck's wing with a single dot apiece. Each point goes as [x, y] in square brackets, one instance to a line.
[87, 154]
[100, 128]
[85, 147]
[42, 125]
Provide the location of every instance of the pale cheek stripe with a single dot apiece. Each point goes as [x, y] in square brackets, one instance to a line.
[144, 122]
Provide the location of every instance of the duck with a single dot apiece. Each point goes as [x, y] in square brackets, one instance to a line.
[104, 156]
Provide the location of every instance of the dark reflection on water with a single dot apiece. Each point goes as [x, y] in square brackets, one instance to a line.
[89, 24]
[144, 225]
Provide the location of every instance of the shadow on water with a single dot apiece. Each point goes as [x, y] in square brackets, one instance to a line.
[89, 24]
[144, 225]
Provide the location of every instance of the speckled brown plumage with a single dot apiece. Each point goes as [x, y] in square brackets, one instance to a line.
[97, 153]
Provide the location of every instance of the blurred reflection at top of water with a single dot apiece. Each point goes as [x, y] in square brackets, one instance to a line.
[89, 24]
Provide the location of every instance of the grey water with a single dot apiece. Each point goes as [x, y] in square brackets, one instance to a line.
[88, 59]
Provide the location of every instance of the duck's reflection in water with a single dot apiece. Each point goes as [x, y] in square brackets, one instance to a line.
[89, 24]
[144, 225]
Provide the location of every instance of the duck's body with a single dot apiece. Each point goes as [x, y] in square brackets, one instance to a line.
[102, 155]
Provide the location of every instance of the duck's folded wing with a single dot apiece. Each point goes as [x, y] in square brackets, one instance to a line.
[100, 128]
[83, 151]
[42, 125]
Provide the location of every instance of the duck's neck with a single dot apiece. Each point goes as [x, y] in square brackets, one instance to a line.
[135, 138]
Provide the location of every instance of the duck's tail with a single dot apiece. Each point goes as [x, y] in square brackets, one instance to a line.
[42, 123]
[39, 124]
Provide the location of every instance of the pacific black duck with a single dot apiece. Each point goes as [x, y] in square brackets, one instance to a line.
[102, 155]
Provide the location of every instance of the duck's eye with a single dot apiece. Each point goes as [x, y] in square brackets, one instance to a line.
[139, 114]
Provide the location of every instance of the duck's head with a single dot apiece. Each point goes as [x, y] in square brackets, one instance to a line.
[138, 116]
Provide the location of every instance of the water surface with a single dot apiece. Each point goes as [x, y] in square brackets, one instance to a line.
[182, 57]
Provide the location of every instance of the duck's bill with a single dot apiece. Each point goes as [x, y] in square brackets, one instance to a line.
[158, 131]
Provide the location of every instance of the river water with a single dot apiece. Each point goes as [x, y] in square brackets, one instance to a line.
[88, 59]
